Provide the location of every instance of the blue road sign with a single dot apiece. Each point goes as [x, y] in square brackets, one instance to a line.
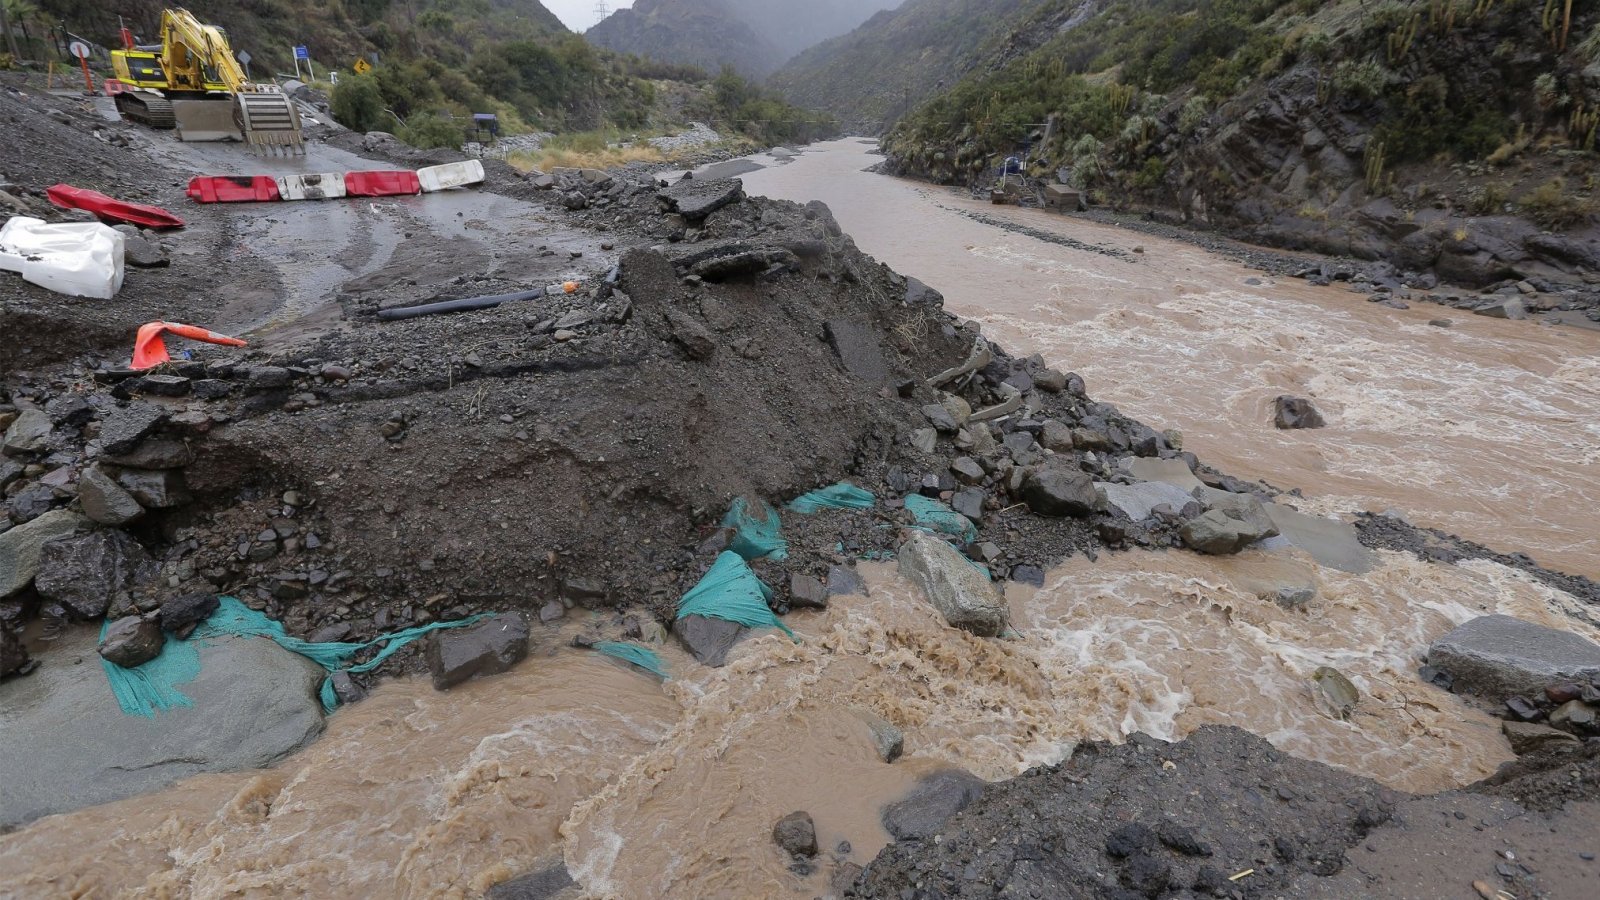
[302, 53]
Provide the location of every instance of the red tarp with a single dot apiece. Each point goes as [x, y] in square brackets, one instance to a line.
[381, 184]
[233, 189]
[68, 197]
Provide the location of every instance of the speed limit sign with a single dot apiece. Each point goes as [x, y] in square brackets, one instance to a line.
[78, 49]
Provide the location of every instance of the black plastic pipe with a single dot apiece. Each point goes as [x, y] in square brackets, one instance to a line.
[449, 306]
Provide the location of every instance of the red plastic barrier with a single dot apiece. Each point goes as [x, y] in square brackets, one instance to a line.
[68, 197]
[381, 184]
[149, 350]
[233, 189]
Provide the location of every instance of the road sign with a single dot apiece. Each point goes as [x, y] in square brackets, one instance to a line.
[302, 53]
[244, 57]
[78, 49]
[362, 67]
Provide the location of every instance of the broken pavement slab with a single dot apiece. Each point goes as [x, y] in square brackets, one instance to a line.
[694, 198]
[65, 744]
[1168, 471]
[1498, 657]
[1138, 501]
[1330, 542]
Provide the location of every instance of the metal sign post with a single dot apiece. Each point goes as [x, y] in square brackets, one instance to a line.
[81, 51]
[301, 52]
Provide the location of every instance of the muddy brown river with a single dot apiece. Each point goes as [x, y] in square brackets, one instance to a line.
[650, 789]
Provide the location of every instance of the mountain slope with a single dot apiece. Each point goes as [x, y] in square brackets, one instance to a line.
[1457, 137]
[753, 36]
[899, 58]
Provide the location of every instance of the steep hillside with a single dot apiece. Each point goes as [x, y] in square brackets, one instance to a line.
[873, 75]
[1451, 135]
[753, 36]
[702, 33]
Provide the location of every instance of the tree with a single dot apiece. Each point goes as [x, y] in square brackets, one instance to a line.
[358, 104]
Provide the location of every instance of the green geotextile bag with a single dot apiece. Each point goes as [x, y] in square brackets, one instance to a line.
[733, 593]
[639, 655]
[935, 516]
[154, 685]
[756, 530]
[839, 496]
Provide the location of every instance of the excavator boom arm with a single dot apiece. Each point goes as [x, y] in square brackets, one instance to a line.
[188, 46]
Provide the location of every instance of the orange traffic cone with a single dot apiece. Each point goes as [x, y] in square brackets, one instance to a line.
[149, 350]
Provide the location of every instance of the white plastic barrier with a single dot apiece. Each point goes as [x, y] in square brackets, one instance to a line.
[82, 259]
[327, 186]
[450, 175]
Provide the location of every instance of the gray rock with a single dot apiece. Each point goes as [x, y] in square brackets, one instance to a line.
[132, 641]
[91, 573]
[546, 884]
[22, 546]
[709, 640]
[931, 803]
[105, 501]
[30, 433]
[347, 689]
[191, 609]
[1499, 657]
[844, 582]
[807, 593]
[1526, 737]
[1055, 436]
[889, 741]
[969, 503]
[1217, 533]
[263, 378]
[1056, 489]
[10, 470]
[919, 294]
[1296, 412]
[144, 253]
[64, 743]
[487, 648]
[962, 594]
[940, 418]
[968, 470]
[694, 199]
[155, 488]
[161, 385]
[123, 428]
[926, 439]
[13, 654]
[796, 834]
[1510, 308]
[1574, 714]
[31, 503]
[1050, 381]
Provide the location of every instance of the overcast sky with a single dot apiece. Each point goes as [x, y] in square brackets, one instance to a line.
[579, 14]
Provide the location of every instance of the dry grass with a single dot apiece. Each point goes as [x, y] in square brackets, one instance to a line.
[603, 158]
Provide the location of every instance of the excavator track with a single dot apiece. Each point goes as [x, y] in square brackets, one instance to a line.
[150, 110]
[270, 123]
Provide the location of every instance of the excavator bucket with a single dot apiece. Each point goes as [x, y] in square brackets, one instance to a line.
[270, 123]
[211, 119]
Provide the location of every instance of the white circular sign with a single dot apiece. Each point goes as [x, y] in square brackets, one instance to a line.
[78, 49]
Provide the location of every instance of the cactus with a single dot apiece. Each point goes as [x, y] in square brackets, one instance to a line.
[1375, 163]
[1401, 39]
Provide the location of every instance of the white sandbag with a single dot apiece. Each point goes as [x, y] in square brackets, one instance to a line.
[450, 175]
[82, 259]
[328, 186]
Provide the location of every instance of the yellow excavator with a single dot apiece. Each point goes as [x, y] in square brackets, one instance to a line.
[192, 82]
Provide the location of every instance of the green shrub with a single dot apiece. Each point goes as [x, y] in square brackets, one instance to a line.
[430, 131]
[1364, 81]
[358, 104]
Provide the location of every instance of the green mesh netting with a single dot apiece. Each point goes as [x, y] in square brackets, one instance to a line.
[756, 532]
[935, 516]
[838, 496]
[643, 657]
[154, 686]
[733, 593]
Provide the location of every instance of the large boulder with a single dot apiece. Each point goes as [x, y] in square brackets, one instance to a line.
[90, 573]
[487, 648]
[961, 592]
[65, 743]
[105, 501]
[132, 641]
[30, 433]
[1499, 657]
[1056, 489]
[124, 427]
[1296, 412]
[22, 546]
[933, 800]
[1233, 522]
[694, 199]
[708, 639]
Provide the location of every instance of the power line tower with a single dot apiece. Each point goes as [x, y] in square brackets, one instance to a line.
[601, 10]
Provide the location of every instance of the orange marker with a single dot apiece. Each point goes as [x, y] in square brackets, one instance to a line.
[149, 350]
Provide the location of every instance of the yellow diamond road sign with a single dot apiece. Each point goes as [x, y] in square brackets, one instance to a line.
[362, 67]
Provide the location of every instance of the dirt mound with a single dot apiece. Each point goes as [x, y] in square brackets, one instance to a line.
[1222, 813]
